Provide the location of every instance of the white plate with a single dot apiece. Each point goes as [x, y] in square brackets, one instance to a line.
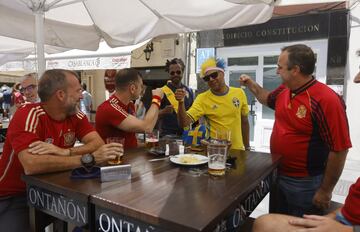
[178, 159]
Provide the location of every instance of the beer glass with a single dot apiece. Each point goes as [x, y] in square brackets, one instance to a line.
[152, 139]
[118, 158]
[223, 135]
[217, 159]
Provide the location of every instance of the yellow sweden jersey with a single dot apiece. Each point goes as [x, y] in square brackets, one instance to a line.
[222, 112]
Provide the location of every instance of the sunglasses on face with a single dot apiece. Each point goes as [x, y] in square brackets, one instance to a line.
[213, 76]
[27, 88]
[178, 72]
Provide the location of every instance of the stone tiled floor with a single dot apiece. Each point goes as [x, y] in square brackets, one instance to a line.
[350, 174]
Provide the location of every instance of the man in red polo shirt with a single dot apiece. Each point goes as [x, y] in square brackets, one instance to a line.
[310, 132]
[40, 139]
[116, 116]
[344, 219]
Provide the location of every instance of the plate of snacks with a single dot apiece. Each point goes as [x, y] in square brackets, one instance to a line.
[189, 159]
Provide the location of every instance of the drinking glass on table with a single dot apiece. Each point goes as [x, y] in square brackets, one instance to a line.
[118, 158]
[217, 159]
[223, 135]
[152, 139]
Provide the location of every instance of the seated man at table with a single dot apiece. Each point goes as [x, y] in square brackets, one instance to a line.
[346, 218]
[116, 116]
[40, 139]
[223, 107]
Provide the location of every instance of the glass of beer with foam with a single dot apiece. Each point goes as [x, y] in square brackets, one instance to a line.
[217, 159]
[152, 139]
[118, 158]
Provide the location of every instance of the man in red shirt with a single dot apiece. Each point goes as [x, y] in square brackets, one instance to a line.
[344, 219]
[310, 132]
[116, 116]
[40, 139]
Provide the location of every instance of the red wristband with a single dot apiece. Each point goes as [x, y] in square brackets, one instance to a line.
[156, 97]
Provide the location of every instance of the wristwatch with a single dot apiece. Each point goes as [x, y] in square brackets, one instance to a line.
[356, 228]
[88, 161]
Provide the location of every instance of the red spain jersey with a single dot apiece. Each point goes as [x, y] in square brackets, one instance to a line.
[351, 208]
[109, 115]
[31, 123]
[309, 123]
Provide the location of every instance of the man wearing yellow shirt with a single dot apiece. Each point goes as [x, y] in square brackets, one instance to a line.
[223, 107]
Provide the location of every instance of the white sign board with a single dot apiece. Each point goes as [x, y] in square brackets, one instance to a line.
[111, 62]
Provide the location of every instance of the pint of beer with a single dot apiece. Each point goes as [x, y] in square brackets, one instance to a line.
[152, 139]
[217, 159]
[118, 158]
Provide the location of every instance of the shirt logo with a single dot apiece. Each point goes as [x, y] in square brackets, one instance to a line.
[301, 112]
[236, 102]
[69, 138]
[214, 107]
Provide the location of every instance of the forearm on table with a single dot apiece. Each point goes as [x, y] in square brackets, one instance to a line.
[91, 142]
[334, 168]
[37, 164]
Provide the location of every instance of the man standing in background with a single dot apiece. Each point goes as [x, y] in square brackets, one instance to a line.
[86, 102]
[223, 107]
[29, 88]
[168, 123]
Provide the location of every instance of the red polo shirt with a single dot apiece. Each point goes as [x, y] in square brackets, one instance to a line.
[109, 115]
[31, 123]
[309, 122]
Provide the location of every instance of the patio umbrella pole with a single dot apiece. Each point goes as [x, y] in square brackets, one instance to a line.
[39, 28]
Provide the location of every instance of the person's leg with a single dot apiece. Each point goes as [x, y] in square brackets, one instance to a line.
[299, 193]
[278, 201]
[273, 222]
[14, 214]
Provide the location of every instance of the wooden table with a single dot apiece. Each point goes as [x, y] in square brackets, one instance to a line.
[58, 195]
[187, 199]
[160, 196]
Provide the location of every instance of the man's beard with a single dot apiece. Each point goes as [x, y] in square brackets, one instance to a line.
[72, 109]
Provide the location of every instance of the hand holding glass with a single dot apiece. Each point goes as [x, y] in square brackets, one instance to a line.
[118, 158]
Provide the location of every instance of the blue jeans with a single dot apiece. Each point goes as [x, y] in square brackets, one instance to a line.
[340, 218]
[293, 195]
[14, 214]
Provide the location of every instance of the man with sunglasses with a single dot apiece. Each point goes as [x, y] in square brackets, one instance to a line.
[223, 107]
[116, 117]
[29, 88]
[167, 123]
[310, 132]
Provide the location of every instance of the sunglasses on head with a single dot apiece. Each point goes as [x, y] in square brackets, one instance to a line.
[213, 76]
[178, 72]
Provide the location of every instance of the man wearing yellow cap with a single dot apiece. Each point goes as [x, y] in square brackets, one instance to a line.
[223, 107]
